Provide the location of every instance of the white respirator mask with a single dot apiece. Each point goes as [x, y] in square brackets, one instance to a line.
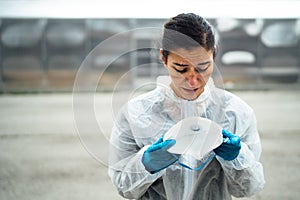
[196, 137]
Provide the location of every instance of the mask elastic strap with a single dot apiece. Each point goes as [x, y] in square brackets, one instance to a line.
[200, 167]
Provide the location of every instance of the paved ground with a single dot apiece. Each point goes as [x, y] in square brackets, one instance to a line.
[42, 157]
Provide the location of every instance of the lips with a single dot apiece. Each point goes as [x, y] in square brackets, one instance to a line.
[190, 90]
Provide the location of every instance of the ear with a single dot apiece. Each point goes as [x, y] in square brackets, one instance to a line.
[162, 57]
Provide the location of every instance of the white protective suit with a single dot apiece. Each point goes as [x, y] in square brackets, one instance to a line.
[146, 118]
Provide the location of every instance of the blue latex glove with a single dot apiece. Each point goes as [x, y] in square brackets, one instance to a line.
[230, 148]
[156, 157]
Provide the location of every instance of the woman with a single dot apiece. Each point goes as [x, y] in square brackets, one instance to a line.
[140, 165]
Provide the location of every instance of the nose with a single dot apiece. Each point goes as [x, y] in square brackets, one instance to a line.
[193, 77]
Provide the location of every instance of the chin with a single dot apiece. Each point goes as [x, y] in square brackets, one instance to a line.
[190, 97]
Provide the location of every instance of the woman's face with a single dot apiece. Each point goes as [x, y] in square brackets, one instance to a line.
[189, 70]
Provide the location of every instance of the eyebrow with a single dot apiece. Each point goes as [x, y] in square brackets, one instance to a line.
[204, 63]
[185, 65]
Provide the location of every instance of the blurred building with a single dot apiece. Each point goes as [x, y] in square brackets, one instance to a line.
[44, 51]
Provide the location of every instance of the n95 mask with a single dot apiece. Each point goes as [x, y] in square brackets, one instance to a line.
[195, 137]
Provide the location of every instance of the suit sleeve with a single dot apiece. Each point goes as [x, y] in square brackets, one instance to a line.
[244, 174]
[126, 170]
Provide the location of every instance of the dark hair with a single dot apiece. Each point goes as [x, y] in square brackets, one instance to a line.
[186, 31]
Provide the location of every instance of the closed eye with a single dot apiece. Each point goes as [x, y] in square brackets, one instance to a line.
[200, 70]
[180, 70]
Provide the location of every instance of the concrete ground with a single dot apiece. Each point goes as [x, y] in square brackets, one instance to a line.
[42, 156]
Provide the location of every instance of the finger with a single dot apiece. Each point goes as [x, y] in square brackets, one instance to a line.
[231, 144]
[230, 148]
[220, 151]
[226, 133]
[160, 140]
[235, 141]
[168, 144]
[162, 145]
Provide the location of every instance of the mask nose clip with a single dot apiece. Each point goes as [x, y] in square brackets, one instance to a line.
[195, 127]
